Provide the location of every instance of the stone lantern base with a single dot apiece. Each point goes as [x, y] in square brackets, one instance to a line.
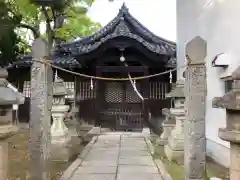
[174, 155]
[6, 132]
[59, 131]
[59, 134]
[60, 153]
[174, 149]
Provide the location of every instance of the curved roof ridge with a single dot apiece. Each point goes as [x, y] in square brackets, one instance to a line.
[130, 17]
[123, 13]
[105, 28]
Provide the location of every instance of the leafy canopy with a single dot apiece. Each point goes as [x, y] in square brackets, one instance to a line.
[20, 23]
[10, 43]
[74, 16]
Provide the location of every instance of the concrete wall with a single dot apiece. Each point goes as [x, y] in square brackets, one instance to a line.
[217, 21]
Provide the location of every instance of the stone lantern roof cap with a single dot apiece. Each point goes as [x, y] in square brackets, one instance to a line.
[231, 99]
[178, 91]
[59, 88]
[7, 95]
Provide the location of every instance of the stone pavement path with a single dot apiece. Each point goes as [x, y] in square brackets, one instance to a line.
[118, 156]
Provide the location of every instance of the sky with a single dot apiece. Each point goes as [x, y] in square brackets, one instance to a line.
[159, 16]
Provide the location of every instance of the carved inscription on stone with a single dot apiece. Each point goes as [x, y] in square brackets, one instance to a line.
[194, 127]
[39, 140]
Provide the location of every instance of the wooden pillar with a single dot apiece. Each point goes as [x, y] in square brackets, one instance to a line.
[40, 113]
[194, 127]
[146, 92]
[98, 98]
[77, 80]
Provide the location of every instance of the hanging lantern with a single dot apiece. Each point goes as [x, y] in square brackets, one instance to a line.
[56, 4]
[122, 58]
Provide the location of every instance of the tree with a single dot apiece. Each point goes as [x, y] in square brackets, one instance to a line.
[62, 24]
[10, 43]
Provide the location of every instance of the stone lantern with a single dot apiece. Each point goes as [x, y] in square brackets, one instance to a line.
[7, 98]
[59, 131]
[231, 102]
[174, 149]
[167, 125]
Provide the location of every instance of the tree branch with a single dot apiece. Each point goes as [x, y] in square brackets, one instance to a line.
[49, 31]
[35, 31]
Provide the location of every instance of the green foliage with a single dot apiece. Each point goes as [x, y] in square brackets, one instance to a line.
[9, 41]
[76, 21]
[10, 48]
[77, 24]
[16, 15]
[29, 12]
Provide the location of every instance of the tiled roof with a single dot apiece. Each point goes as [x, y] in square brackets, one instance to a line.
[62, 61]
[123, 25]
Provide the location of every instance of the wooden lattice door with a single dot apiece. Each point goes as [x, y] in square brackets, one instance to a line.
[122, 108]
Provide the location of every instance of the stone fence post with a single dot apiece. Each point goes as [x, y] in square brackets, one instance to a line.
[194, 127]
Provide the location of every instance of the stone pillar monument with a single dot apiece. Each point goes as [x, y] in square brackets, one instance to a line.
[194, 127]
[7, 98]
[231, 102]
[40, 113]
[167, 125]
[174, 149]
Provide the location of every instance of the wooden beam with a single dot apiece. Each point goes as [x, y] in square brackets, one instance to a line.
[122, 68]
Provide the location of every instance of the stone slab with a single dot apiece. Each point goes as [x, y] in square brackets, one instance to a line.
[101, 157]
[97, 170]
[133, 154]
[141, 161]
[109, 158]
[95, 152]
[107, 163]
[94, 177]
[105, 148]
[139, 176]
[133, 148]
[131, 169]
[132, 144]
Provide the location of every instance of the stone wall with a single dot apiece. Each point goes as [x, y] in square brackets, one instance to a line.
[216, 21]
